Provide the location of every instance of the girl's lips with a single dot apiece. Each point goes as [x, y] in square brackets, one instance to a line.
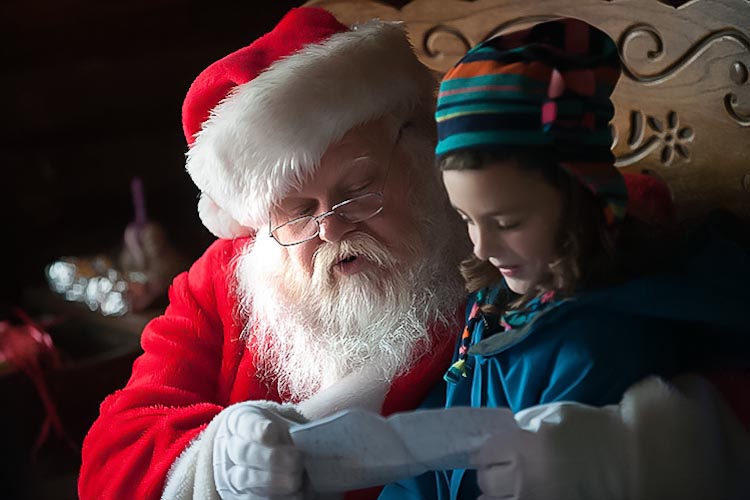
[509, 271]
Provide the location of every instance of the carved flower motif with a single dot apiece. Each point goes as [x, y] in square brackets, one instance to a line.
[673, 138]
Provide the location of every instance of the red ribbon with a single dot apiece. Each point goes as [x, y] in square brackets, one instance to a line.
[29, 348]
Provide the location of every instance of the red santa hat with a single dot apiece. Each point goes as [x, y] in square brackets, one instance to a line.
[259, 120]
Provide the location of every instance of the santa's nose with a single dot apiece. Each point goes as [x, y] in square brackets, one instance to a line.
[333, 228]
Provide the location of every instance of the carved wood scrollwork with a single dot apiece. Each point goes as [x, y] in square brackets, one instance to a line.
[739, 75]
[440, 29]
[738, 72]
[433, 33]
[508, 25]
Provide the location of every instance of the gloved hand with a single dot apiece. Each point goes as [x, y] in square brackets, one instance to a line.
[567, 451]
[253, 455]
[661, 442]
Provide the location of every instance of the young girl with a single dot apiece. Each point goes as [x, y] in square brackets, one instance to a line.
[571, 298]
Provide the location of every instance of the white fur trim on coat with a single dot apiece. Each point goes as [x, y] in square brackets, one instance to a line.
[269, 134]
[191, 476]
[664, 441]
[689, 445]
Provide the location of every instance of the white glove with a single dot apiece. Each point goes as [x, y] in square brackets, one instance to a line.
[253, 455]
[661, 442]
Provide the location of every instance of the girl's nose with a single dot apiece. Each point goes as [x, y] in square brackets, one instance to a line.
[484, 246]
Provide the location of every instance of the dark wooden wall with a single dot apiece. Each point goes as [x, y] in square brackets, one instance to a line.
[90, 93]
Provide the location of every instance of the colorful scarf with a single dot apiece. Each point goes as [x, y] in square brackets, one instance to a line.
[510, 320]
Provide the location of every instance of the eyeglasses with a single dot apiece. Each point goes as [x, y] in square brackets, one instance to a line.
[302, 229]
[354, 210]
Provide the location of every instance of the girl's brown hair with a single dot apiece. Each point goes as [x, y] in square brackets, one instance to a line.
[590, 253]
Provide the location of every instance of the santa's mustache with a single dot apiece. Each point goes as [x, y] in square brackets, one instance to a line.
[358, 245]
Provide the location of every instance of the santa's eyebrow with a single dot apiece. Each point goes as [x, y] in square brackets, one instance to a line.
[354, 166]
[364, 157]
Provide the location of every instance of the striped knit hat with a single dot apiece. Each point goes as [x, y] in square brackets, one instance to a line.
[544, 87]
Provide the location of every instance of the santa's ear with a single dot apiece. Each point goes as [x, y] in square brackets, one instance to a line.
[219, 221]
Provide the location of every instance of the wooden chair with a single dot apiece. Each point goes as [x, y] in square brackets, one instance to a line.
[682, 104]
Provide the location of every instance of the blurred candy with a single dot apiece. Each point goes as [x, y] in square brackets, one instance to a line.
[145, 268]
[93, 281]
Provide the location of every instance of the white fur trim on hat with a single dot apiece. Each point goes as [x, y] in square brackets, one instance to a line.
[218, 220]
[268, 135]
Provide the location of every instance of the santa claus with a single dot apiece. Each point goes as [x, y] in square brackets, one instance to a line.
[337, 262]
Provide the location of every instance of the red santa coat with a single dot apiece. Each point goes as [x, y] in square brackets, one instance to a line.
[194, 365]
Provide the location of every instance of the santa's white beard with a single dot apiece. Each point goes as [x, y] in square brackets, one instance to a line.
[309, 332]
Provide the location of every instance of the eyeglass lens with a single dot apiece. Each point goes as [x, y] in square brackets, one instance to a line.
[354, 210]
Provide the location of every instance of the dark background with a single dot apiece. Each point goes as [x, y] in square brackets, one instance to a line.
[91, 97]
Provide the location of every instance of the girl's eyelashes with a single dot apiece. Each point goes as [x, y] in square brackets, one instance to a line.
[507, 226]
[503, 226]
[465, 219]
